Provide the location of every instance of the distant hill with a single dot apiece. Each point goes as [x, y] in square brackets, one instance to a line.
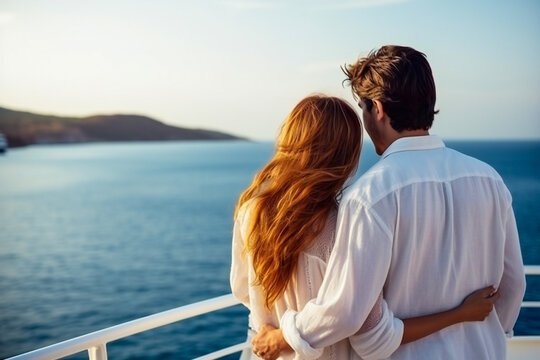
[25, 128]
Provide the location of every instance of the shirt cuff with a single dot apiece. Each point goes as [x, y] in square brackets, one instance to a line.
[382, 340]
[292, 336]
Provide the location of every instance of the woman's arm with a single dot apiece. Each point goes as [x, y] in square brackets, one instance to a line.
[380, 337]
[475, 307]
[239, 263]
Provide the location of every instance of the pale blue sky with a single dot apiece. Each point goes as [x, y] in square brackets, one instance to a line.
[240, 66]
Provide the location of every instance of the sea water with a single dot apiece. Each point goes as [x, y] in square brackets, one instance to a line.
[92, 235]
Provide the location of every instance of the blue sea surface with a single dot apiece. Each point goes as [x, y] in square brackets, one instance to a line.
[92, 235]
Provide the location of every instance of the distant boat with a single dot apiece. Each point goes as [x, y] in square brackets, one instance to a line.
[3, 143]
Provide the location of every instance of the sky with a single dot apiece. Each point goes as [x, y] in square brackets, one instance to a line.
[240, 66]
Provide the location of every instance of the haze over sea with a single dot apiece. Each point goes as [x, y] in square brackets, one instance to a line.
[92, 235]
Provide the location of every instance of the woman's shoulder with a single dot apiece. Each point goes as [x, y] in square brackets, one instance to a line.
[245, 210]
[243, 216]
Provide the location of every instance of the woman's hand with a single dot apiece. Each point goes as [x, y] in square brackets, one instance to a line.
[475, 307]
[478, 305]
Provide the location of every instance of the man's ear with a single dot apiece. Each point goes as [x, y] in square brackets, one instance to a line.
[379, 110]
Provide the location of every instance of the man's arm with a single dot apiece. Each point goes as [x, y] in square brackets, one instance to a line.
[512, 286]
[269, 343]
[354, 278]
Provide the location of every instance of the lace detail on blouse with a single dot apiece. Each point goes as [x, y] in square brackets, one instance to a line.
[322, 245]
[374, 316]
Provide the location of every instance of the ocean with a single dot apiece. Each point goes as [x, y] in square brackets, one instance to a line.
[93, 235]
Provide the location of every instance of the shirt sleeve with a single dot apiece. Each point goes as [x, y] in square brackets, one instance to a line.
[239, 263]
[381, 340]
[512, 286]
[354, 278]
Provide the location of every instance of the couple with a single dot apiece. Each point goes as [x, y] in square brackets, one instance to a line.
[363, 272]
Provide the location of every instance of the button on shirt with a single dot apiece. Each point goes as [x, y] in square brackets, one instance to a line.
[427, 225]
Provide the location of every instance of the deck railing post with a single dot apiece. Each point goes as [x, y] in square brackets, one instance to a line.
[98, 352]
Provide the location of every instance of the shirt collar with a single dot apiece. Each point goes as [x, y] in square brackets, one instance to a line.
[424, 142]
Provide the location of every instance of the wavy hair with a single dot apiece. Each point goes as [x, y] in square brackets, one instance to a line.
[316, 152]
[401, 78]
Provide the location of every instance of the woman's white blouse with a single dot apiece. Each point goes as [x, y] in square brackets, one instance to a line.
[303, 287]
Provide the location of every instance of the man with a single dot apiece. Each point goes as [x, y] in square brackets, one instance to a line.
[426, 225]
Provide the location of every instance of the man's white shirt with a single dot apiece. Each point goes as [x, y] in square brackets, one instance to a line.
[428, 226]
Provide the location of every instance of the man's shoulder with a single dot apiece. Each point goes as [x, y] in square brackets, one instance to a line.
[400, 170]
[373, 184]
[472, 165]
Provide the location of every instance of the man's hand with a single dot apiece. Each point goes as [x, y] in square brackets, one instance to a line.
[269, 342]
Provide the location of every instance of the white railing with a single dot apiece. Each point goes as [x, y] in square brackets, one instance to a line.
[532, 270]
[96, 343]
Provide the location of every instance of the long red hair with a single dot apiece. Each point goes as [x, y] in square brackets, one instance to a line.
[316, 152]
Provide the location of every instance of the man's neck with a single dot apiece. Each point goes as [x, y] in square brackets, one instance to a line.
[394, 135]
[408, 133]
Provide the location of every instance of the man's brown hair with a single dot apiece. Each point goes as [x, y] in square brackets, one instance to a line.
[401, 79]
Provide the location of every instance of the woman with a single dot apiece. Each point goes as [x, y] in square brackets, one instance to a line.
[285, 221]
